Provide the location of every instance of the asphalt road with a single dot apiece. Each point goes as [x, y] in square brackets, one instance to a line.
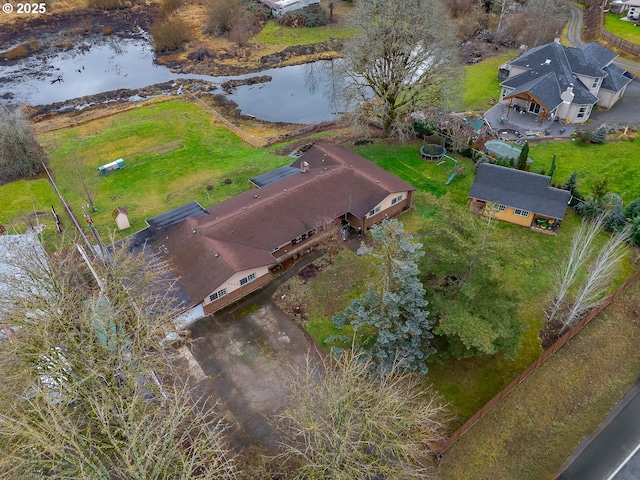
[613, 451]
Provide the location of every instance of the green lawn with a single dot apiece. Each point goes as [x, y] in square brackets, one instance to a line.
[22, 198]
[275, 34]
[172, 151]
[482, 83]
[466, 384]
[616, 161]
[622, 28]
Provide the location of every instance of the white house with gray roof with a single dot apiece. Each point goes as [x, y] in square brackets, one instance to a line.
[563, 83]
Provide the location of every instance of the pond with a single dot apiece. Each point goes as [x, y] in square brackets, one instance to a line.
[296, 94]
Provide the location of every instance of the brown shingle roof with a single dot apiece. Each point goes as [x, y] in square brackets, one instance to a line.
[243, 229]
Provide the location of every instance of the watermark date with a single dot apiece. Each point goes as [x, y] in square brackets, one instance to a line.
[25, 8]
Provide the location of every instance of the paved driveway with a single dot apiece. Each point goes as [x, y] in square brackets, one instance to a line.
[246, 354]
[624, 112]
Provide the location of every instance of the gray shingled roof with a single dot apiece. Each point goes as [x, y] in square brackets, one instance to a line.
[551, 68]
[618, 78]
[519, 189]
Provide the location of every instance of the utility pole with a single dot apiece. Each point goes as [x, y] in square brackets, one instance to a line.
[92, 227]
[69, 212]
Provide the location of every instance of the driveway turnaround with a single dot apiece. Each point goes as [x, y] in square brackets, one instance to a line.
[247, 353]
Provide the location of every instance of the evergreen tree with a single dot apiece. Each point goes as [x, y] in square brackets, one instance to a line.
[614, 220]
[522, 158]
[474, 309]
[634, 237]
[599, 135]
[391, 318]
[599, 188]
[590, 209]
[633, 209]
[572, 186]
[552, 169]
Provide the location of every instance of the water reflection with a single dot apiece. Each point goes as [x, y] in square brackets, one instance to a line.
[297, 94]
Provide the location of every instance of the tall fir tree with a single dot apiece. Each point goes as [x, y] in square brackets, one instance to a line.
[521, 164]
[391, 319]
[552, 169]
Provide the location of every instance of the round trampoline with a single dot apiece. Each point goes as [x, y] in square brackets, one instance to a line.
[432, 151]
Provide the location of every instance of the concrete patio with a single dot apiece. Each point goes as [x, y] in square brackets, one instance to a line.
[509, 124]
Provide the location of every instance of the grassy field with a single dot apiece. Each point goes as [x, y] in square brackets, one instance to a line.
[530, 434]
[482, 83]
[275, 34]
[172, 150]
[613, 160]
[621, 28]
[27, 203]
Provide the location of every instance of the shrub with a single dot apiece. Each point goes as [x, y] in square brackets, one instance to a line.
[633, 209]
[425, 127]
[634, 239]
[614, 221]
[21, 155]
[106, 30]
[599, 135]
[572, 186]
[34, 44]
[108, 4]
[222, 14]
[170, 6]
[18, 52]
[311, 16]
[590, 209]
[243, 27]
[599, 188]
[583, 136]
[169, 34]
[260, 11]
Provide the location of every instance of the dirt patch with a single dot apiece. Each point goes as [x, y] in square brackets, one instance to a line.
[165, 147]
[479, 48]
[78, 24]
[309, 272]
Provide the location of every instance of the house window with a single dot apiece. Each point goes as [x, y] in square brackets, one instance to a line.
[520, 213]
[220, 293]
[596, 82]
[252, 277]
[534, 108]
[374, 211]
[582, 112]
[502, 208]
[397, 199]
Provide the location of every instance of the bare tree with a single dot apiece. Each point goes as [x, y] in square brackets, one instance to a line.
[403, 60]
[20, 153]
[84, 181]
[89, 387]
[538, 22]
[598, 278]
[580, 252]
[330, 239]
[344, 423]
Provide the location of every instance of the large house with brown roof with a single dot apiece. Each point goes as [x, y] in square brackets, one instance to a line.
[220, 257]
